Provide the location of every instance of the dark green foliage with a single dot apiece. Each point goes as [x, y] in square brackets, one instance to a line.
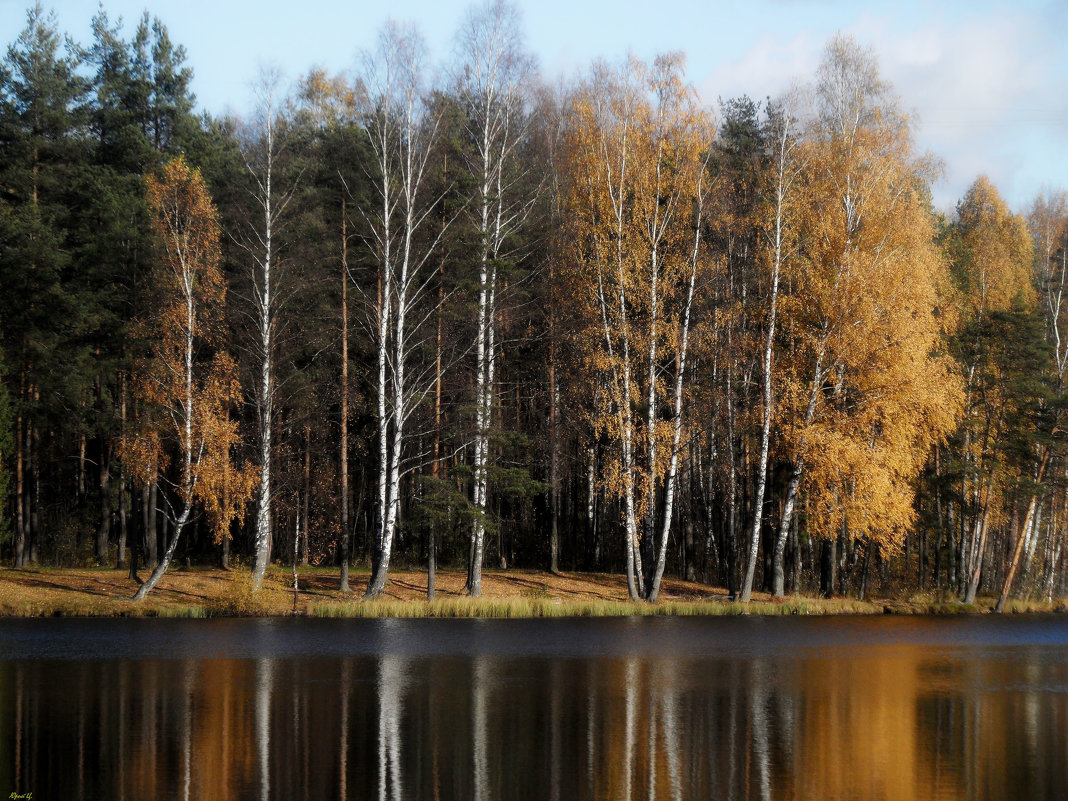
[78, 130]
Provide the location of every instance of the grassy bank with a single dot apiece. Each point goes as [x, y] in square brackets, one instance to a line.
[209, 592]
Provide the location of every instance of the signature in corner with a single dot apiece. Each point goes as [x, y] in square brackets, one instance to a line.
[21, 797]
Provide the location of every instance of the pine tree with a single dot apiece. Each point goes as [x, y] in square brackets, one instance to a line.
[42, 121]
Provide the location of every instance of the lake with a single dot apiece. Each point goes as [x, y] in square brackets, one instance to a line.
[630, 708]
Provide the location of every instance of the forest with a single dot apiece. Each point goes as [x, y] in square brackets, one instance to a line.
[486, 319]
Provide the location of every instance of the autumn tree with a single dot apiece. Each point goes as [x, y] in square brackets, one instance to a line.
[187, 384]
[637, 149]
[867, 392]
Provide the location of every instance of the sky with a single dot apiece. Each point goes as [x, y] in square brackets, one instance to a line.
[987, 81]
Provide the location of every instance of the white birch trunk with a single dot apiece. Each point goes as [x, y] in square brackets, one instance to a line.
[494, 77]
[483, 388]
[794, 483]
[261, 247]
[653, 589]
[783, 183]
[185, 408]
[1033, 535]
[265, 393]
[401, 138]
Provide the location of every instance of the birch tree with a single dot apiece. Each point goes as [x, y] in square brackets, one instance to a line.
[263, 148]
[188, 383]
[866, 393]
[401, 131]
[495, 75]
[782, 208]
[637, 150]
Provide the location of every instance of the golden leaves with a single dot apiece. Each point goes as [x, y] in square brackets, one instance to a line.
[865, 333]
[634, 151]
[999, 252]
[186, 386]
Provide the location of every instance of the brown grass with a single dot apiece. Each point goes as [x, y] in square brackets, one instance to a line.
[209, 592]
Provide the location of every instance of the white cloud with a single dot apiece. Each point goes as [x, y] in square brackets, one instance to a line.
[983, 88]
[766, 69]
[988, 86]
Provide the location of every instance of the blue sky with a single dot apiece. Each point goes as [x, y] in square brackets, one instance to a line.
[988, 80]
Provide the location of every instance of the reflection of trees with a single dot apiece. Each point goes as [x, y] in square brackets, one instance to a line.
[343, 758]
[390, 709]
[479, 724]
[890, 723]
[264, 679]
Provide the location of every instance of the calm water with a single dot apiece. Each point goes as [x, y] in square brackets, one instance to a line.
[719, 708]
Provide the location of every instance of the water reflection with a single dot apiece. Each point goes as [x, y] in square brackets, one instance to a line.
[880, 722]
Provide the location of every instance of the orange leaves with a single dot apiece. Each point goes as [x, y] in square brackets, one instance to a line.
[1000, 252]
[866, 335]
[185, 388]
[186, 225]
[634, 160]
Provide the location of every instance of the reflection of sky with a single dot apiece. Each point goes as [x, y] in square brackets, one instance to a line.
[987, 79]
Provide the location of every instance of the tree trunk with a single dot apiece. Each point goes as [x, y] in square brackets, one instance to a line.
[104, 530]
[828, 561]
[307, 493]
[120, 561]
[436, 466]
[391, 489]
[979, 552]
[864, 572]
[168, 555]
[296, 550]
[554, 451]
[20, 486]
[795, 481]
[653, 588]
[732, 496]
[1017, 551]
[385, 305]
[484, 400]
[1025, 532]
[152, 529]
[765, 427]
[264, 297]
[344, 545]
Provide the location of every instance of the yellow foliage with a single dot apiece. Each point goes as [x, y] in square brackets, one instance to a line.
[185, 387]
[863, 320]
[999, 250]
[634, 154]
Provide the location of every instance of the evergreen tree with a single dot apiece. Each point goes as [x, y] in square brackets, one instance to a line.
[42, 134]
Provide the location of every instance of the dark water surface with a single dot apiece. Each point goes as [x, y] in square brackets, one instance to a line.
[651, 708]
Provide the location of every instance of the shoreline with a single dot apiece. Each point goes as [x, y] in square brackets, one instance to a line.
[200, 592]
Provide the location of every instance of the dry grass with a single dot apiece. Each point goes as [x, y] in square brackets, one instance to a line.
[210, 592]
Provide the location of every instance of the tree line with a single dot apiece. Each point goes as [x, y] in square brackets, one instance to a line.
[595, 325]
